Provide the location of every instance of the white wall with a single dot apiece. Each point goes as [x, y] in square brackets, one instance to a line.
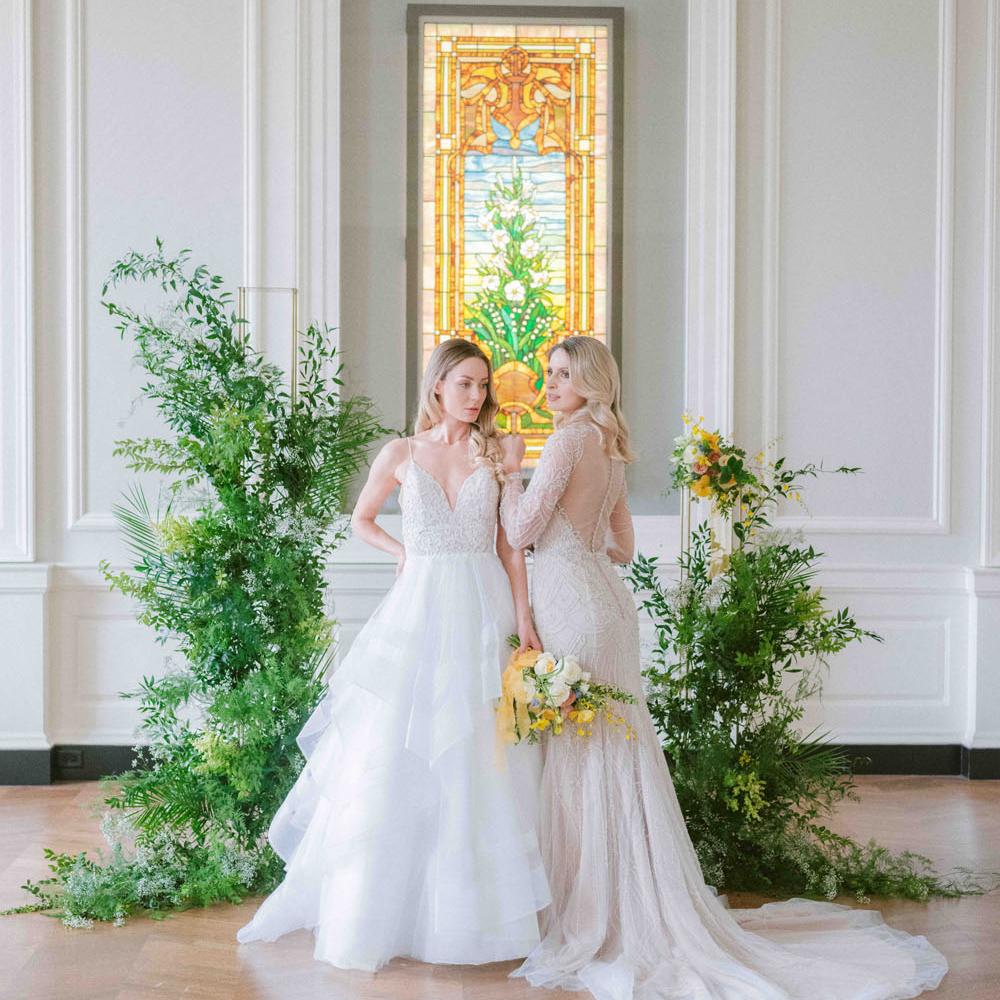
[811, 229]
[214, 126]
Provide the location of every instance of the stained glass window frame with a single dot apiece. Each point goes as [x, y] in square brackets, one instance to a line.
[611, 19]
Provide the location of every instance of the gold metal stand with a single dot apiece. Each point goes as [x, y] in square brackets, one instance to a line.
[241, 314]
[685, 528]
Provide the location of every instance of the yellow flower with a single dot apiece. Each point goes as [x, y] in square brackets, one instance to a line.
[585, 715]
[702, 487]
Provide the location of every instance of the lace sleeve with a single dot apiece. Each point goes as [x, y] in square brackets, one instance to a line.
[525, 513]
[621, 532]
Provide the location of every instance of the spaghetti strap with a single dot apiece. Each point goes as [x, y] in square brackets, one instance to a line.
[409, 448]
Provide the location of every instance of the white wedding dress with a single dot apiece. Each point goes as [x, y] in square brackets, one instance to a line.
[400, 836]
[631, 915]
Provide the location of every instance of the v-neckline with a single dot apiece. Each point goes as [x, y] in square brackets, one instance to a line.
[434, 479]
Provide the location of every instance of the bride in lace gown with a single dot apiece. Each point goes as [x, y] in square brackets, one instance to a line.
[400, 836]
[631, 915]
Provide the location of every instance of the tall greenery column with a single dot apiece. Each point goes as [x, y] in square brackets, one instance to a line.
[228, 567]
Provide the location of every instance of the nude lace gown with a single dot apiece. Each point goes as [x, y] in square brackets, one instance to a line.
[631, 916]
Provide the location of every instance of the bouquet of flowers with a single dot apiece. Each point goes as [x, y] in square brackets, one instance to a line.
[543, 692]
[710, 466]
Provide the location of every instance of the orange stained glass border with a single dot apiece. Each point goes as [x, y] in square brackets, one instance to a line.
[441, 282]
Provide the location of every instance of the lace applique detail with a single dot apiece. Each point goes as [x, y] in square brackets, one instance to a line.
[431, 527]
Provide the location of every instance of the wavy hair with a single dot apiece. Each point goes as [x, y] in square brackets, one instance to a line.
[484, 439]
[594, 375]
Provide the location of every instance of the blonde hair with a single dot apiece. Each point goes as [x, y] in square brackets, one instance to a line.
[594, 375]
[484, 440]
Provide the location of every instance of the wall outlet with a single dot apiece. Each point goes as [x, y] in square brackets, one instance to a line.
[69, 757]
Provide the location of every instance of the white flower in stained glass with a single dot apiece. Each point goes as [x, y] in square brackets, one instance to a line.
[538, 277]
[499, 261]
[508, 209]
[529, 215]
[500, 238]
[529, 248]
[491, 283]
[484, 220]
[514, 290]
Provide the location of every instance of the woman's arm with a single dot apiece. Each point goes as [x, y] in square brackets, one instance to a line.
[621, 532]
[525, 513]
[381, 482]
[513, 563]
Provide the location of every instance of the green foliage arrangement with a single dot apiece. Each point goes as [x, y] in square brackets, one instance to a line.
[231, 572]
[741, 642]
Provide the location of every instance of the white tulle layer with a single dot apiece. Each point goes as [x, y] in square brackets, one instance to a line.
[400, 837]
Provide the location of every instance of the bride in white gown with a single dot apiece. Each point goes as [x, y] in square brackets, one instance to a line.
[631, 916]
[400, 836]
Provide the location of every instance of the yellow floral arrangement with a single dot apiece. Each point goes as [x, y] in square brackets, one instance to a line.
[542, 692]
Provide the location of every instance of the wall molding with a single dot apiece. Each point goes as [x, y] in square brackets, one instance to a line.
[942, 693]
[77, 517]
[990, 499]
[939, 521]
[709, 257]
[17, 460]
[76, 334]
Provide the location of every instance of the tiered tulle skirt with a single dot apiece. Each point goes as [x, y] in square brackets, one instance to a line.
[400, 835]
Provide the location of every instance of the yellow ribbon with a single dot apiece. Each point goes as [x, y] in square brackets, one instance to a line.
[512, 711]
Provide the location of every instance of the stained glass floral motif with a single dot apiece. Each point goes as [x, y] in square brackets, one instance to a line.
[514, 221]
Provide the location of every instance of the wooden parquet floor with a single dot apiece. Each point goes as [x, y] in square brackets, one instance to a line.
[195, 954]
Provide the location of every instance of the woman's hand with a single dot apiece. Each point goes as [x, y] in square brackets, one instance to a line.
[513, 448]
[529, 638]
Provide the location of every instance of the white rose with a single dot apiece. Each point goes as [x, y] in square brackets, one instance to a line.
[571, 671]
[514, 290]
[530, 689]
[545, 664]
[491, 283]
[559, 692]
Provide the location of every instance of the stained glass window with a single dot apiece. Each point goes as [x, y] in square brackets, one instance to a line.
[513, 227]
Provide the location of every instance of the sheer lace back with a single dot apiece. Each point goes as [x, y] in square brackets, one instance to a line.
[574, 497]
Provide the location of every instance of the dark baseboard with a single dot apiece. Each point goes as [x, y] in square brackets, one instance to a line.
[896, 758]
[25, 767]
[90, 762]
[76, 762]
[981, 762]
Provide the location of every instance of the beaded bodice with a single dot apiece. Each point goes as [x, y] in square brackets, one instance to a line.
[432, 527]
